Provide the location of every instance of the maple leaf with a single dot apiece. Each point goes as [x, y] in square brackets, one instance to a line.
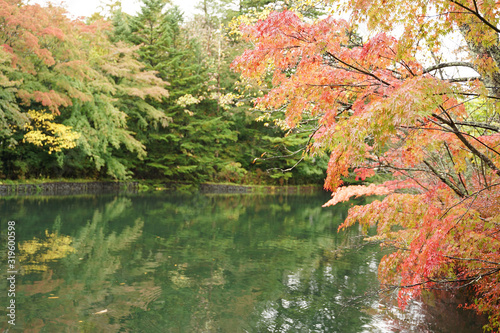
[343, 194]
[388, 104]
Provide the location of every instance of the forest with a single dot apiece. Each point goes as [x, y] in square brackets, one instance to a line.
[402, 95]
[149, 96]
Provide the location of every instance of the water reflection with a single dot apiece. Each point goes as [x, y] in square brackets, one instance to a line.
[173, 263]
[436, 312]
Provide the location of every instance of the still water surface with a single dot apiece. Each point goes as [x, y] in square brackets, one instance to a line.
[201, 263]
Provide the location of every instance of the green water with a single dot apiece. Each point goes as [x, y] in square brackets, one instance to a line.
[199, 263]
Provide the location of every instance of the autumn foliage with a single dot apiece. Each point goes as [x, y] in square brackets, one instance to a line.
[401, 104]
[87, 83]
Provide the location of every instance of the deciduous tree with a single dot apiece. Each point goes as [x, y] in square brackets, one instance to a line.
[71, 69]
[400, 103]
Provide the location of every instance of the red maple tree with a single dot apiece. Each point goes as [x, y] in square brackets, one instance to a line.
[399, 106]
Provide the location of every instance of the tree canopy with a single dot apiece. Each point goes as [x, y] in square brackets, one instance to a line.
[121, 96]
[71, 70]
[399, 103]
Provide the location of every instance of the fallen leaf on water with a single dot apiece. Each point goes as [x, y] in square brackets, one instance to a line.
[102, 311]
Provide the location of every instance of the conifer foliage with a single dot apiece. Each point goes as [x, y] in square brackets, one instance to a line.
[92, 86]
[402, 106]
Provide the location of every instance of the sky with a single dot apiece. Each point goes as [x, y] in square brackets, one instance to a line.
[88, 7]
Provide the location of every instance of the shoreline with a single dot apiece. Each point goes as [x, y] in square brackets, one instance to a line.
[96, 187]
[61, 188]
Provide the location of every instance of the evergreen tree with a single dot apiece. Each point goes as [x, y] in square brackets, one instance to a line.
[189, 149]
[151, 30]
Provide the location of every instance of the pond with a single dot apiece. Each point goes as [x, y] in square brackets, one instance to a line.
[166, 262]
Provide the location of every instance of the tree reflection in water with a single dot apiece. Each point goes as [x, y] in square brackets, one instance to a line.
[200, 263]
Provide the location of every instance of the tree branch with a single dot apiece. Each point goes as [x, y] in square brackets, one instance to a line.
[462, 138]
[448, 64]
[475, 194]
[444, 180]
[444, 281]
[476, 13]
[464, 79]
[357, 69]
[478, 125]
[473, 259]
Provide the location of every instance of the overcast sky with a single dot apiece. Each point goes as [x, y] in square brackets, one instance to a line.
[88, 7]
